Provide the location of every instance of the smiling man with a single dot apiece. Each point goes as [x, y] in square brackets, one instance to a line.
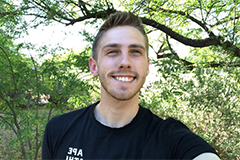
[116, 127]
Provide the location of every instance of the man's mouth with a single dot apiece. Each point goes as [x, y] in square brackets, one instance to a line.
[125, 79]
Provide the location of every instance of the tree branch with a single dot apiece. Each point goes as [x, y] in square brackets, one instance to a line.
[174, 53]
[170, 46]
[82, 6]
[187, 41]
[191, 65]
[100, 14]
[211, 41]
[210, 33]
[224, 21]
[10, 124]
[11, 68]
[12, 109]
[4, 99]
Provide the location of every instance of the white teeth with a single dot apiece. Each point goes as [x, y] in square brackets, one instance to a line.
[125, 79]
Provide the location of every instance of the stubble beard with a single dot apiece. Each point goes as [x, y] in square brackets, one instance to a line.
[121, 96]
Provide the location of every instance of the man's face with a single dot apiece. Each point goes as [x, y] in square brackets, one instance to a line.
[122, 64]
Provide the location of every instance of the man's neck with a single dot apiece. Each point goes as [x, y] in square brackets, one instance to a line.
[116, 114]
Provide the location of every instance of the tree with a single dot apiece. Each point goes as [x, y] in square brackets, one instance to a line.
[25, 83]
[213, 24]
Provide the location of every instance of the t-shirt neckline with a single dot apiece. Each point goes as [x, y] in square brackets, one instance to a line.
[135, 121]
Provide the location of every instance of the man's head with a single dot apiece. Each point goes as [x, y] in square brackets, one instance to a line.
[120, 57]
[115, 20]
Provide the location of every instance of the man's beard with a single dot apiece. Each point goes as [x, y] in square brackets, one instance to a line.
[121, 96]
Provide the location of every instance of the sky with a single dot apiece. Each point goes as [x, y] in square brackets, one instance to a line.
[53, 36]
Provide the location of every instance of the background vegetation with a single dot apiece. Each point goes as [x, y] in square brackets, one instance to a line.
[199, 86]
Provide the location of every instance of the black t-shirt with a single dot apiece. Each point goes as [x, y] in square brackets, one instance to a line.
[79, 136]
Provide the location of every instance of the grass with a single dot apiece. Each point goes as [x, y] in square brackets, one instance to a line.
[5, 151]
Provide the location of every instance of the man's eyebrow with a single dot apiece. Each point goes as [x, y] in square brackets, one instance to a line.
[111, 45]
[136, 46]
[118, 45]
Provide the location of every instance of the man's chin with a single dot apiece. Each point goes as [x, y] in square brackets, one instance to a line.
[124, 97]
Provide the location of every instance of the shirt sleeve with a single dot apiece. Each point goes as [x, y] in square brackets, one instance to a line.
[47, 145]
[181, 143]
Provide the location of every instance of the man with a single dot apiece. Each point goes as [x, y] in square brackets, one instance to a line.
[116, 127]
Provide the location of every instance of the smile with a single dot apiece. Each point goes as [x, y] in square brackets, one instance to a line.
[125, 79]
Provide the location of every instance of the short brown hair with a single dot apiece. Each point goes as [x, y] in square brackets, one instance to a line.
[118, 19]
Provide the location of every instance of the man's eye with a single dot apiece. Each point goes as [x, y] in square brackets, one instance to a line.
[112, 52]
[136, 51]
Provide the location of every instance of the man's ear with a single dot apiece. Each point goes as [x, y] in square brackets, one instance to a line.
[93, 67]
[148, 66]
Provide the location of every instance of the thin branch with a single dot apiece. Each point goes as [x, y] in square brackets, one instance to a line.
[10, 124]
[36, 116]
[4, 99]
[107, 4]
[160, 50]
[200, 3]
[209, 11]
[234, 23]
[12, 109]
[100, 14]
[225, 20]
[211, 34]
[82, 6]
[170, 47]
[11, 68]
[190, 65]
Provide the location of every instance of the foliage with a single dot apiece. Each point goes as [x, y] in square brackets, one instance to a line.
[206, 100]
[194, 23]
[55, 85]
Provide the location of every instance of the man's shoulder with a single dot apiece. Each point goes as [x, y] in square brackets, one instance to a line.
[69, 117]
[173, 128]
[164, 124]
[176, 134]
[169, 123]
[172, 124]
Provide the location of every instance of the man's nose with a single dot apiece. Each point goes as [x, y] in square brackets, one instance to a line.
[125, 61]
